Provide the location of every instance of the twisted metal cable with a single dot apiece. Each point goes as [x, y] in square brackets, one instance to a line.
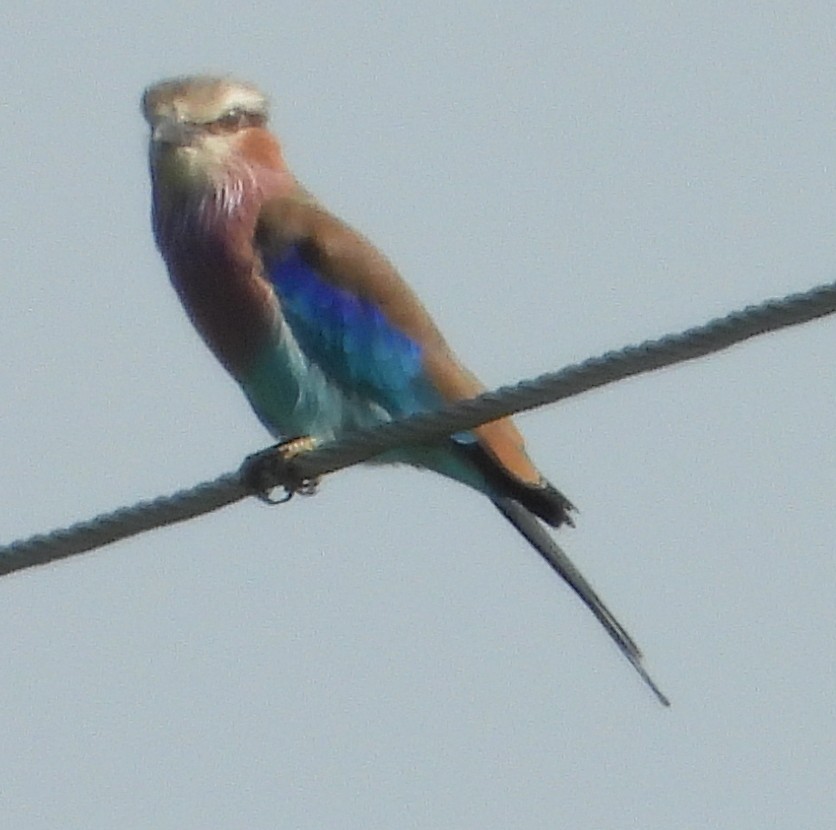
[265, 470]
[122, 523]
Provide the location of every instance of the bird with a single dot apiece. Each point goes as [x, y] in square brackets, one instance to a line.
[314, 322]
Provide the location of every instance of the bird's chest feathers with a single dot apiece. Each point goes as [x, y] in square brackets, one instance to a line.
[217, 275]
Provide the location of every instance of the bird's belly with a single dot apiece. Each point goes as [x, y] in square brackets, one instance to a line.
[293, 396]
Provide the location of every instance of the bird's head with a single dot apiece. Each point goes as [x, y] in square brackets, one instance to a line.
[208, 130]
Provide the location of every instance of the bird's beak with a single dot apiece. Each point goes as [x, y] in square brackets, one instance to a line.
[169, 131]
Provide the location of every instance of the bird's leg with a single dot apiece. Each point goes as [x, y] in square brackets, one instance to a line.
[263, 471]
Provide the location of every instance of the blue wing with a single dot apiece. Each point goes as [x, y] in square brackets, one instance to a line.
[348, 338]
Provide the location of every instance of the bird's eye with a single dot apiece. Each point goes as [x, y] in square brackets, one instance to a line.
[237, 119]
[232, 120]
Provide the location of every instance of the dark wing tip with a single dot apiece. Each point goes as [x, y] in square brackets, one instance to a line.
[543, 499]
[548, 503]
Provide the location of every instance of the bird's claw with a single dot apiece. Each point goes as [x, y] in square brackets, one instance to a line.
[265, 471]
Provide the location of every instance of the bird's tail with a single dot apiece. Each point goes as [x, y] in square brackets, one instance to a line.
[528, 525]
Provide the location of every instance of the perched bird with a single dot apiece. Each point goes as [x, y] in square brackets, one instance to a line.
[315, 324]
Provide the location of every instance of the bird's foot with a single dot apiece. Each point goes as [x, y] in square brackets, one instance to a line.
[264, 471]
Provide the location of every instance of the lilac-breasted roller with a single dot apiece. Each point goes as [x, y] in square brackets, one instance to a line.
[315, 324]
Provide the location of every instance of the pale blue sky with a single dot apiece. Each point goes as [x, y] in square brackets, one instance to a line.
[555, 180]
